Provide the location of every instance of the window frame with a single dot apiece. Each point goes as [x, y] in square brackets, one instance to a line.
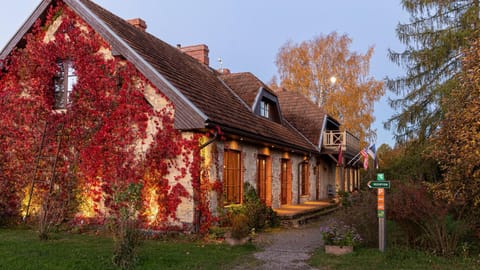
[265, 108]
[63, 83]
[232, 177]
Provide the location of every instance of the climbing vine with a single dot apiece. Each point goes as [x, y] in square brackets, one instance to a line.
[113, 137]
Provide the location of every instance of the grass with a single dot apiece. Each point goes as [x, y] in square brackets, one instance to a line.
[21, 249]
[391, 259]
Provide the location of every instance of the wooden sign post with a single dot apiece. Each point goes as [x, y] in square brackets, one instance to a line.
[380, 185]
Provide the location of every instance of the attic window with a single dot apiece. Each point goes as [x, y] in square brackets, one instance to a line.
[64, 81]
[265, 108]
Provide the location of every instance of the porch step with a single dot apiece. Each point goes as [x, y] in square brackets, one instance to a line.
[294, 216]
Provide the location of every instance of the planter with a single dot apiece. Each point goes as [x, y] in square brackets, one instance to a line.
[338, 250]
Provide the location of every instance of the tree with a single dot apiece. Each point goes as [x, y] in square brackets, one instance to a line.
[408, 162]
[458, 144]
[434, 38]
[308, 67]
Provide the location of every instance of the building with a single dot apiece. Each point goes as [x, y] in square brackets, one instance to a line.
[113, 105]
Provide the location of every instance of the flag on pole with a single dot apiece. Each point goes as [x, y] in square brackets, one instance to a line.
[373, 153]
[340, 156]
[365, 158]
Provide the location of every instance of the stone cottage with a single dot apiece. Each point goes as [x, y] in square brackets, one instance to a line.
[115, 105]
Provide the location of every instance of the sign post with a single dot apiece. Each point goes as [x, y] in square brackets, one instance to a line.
[380, 185]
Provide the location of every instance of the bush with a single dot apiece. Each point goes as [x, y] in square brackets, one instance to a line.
[259, 215]
[428, 223]
[362, 215]
[240, 228]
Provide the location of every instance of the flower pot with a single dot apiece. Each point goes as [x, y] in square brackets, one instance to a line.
[338, 250]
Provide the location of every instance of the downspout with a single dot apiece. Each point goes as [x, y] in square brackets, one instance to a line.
[197, 216]
[215, 136]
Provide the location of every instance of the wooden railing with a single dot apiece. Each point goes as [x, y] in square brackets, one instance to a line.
[333, 139]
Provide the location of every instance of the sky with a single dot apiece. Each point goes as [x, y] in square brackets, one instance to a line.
[247, 34]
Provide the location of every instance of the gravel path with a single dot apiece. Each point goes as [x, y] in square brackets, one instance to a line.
[287, 248]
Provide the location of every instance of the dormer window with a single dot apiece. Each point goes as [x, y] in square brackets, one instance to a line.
[266, 105]
[64, 81]
[265, 108]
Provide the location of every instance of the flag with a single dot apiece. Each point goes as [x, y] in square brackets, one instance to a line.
[365, 158]
[340, 156]
[373, 153]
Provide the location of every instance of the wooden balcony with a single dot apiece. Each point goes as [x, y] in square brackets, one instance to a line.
[333, 139]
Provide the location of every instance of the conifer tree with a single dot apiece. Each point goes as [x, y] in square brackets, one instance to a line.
[437, 32]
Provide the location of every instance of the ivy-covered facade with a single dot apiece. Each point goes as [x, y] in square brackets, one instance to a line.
[92, 105]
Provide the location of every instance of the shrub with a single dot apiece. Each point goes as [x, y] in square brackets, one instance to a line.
[428, 223]
[124, 226]
[362, 215]
[259, 214]
[345, 199]
[240, 228]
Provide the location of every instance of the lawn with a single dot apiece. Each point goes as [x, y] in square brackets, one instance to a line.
[391, 259]
[21, 249]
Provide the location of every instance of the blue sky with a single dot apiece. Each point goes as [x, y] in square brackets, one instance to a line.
[247, 34]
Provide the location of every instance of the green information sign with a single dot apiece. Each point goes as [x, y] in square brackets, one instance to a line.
[380, 177]
[381, 213]
[378, 184]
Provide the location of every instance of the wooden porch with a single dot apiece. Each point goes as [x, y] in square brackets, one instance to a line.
[300, 214]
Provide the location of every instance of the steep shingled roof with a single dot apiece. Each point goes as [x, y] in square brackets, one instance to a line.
[245, 84]
[200, 84]
[201, 98]
[304, 115]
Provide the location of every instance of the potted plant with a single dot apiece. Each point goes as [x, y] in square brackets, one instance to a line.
[339, 238]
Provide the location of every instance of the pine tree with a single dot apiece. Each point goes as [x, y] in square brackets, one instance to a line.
[435, 36]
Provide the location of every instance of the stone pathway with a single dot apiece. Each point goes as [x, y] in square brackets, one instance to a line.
[287, 248]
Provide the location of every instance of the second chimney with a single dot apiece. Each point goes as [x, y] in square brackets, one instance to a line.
[138, 23]
[199, 52]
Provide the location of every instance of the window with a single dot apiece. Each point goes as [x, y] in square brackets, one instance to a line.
[304, 179]
[262, 178]
[265, 108]
[232, 187]
[64, 81]
[266, 105]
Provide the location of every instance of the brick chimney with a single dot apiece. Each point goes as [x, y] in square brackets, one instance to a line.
[199, 52]
[138, 23]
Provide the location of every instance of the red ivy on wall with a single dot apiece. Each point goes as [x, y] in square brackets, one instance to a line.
[107, 118]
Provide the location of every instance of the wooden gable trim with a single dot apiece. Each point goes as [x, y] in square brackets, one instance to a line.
[27, 25]
[322, 131]
[187, 115]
